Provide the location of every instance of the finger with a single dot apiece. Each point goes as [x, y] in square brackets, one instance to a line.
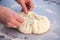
[24, 8]
[28, 5]
[22, 3]
[31, 6]
[9, 24]
[18, 18]
[15, 22]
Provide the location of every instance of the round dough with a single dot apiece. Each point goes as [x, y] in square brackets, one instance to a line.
[34, 23]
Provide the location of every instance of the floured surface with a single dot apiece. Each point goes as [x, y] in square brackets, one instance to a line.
[34, 23]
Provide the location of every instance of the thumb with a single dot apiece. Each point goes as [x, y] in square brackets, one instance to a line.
[24, 8]
[22, 3]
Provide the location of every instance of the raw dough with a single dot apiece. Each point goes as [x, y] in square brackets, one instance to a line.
[34, 23]
[17, 39]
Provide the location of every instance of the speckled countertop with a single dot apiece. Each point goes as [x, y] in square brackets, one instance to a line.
[48, 8]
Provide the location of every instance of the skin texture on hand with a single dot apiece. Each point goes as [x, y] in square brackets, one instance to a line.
[27, 5]
[9, 18]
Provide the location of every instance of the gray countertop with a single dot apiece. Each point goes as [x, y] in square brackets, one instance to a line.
[48, 8]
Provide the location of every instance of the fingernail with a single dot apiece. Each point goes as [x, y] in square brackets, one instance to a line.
[15, 26]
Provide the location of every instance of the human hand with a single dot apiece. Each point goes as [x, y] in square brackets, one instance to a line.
[27, 5]
[9, 18]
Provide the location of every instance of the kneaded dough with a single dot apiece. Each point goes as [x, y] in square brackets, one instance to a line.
[34, 23]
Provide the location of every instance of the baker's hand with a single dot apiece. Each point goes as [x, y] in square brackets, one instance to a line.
[27, 5]
[9, 18]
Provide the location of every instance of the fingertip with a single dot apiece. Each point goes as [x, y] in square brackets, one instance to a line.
[20, 19]
[15, 26]
[10, 25]
[31, 8]
[25, 10]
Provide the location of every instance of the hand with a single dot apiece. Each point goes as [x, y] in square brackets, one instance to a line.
[27, 5]
[9, 18]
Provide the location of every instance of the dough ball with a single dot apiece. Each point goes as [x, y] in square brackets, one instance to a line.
[34, 23]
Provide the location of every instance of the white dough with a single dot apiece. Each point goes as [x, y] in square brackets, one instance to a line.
[34, 23]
